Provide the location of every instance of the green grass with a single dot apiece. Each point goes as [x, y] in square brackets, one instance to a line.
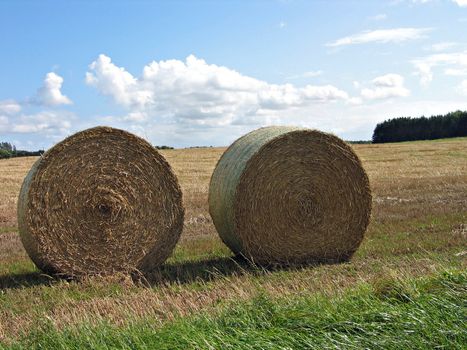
[424, 234]
[7, 229]
[199, 248]
[389, 313]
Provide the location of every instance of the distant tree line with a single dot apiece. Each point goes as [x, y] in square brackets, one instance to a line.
[163, 147]
[409, 129]
[7, 150]
[359, 142]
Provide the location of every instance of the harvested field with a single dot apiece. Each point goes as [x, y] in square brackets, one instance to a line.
[418, 227]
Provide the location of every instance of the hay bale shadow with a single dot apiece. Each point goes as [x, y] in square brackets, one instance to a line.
[192, 271]
[172, 273]
[25, 280]
[212, 269]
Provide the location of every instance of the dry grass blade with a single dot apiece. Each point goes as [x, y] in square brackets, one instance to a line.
[100, 201]
[289, 195]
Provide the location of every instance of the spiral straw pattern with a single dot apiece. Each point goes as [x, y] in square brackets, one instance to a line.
[101, 201]
[286, 195]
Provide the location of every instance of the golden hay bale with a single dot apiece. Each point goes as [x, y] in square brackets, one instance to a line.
[101, 201]
[290, 196]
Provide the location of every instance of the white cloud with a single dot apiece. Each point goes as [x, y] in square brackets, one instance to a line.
[312, 74]
[386, 86]
[117, 82]
[282, 24]
[455, 72]
[462, 88]
[461, 3]
[389, 80]
[137, 116]
[323, 93]
[46, 122]
[9, 107]
[443, 46]
[192, 102]
[50, 93]
[309, 74]
[197, 93]
[378, 17]
[396, 35]
[3, 123]
[424, 66]
[355, 101]
[424, 71]
[396, 2]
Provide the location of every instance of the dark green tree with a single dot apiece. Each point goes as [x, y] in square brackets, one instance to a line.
[409, 129]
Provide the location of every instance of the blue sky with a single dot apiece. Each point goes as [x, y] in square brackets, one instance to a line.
[189, 73]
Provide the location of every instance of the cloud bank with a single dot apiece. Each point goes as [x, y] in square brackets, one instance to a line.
[195, 92]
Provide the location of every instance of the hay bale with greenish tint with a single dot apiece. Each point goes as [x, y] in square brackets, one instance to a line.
[289, 195]
[101, 201]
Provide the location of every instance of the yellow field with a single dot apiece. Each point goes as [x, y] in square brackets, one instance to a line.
[421, 177]
[419, 224]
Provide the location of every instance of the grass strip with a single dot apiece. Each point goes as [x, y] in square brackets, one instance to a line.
[388, 313]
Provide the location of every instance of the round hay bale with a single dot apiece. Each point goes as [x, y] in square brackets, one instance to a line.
[286, 195]
[101, 201]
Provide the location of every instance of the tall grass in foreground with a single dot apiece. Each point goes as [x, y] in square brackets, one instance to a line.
[390, 313]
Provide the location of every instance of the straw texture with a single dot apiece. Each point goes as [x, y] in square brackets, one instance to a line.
[289, 195]
[100, 201]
